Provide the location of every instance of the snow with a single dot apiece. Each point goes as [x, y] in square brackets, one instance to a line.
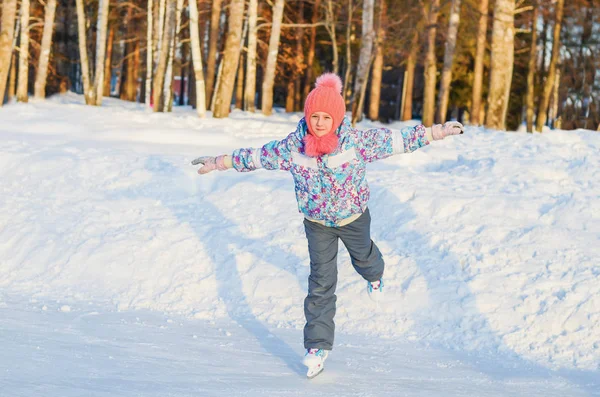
[123, 272]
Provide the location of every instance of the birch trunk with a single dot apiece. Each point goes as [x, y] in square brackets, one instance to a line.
[430, 64]
[149, 48]
[23, 83]
[476, 118]
[409, 78]
[158, 98]
[298, 70]
[12, 79]
[364, 58]
[346, 92]
[231, 58]
[168, 86]
[103, 7]
[197, 60]
[9, 12]
[211, 62]
[532, 66]
[107, 61]
[549, 83]
[446, 79]
[501, 65]
[46, 47]
[269, 76]
[89, 93]
[250, 86]
[23, 77]
[331, 28]
[308, 80]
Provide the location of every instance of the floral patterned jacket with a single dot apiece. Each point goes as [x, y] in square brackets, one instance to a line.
[332, 187]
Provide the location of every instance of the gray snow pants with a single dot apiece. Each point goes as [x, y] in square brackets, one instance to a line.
[319, 305]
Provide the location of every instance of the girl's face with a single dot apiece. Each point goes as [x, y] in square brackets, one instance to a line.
[321, 123]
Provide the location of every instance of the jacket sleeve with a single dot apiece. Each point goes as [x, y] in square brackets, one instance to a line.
[380, 143]
[275, 155]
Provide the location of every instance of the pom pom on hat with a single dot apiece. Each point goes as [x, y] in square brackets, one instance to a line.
[326, 97]
[330, 80]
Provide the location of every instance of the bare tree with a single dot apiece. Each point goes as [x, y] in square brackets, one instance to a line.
[364, 59]
[550, 78]
[22, 85]
[231, 57]
[46, 46]
[532, 66]
[375, 95]
[269, 76]
[149, 48]
[109, 50]
[409, 77]
[311, 49]
[197, 60]
[347, 77]
[158, 98]
[9, 11]
[476, 108]
[88, 91]
[501, 65]
[330, 26]
[250, 87]
[430, 66]
[211, 62]
[446, 79]
[102, 25]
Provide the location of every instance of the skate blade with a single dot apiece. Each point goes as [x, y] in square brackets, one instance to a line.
[313, 372]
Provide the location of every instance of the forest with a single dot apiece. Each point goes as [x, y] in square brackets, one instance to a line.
[502, 64]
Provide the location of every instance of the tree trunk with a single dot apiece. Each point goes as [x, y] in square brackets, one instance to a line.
[231, 58]
[409, 78]
[308, 81]
[269, 75]
[549, 83]
[158, 98]
[23, 83]
[89, 93]
[501, 65]
[250, 88]
[45, 48]
[103, 7]
[108, 60]
[12, 80]
[430, 64]
[197, 60]
[479, 58]
[364, 58]
[299, 64]
[532, 67]
[9, 12]
[239, 84]
[289, 98]
[446, 79]
[169, 77]
[375, 97]
[215, 18]
[149, 47]
[331, 28]
[346, 92]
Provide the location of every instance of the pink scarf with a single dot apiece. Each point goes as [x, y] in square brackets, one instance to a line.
[315, 146]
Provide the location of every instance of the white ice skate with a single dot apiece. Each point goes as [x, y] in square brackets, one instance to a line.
[375, 290]
[314, 359]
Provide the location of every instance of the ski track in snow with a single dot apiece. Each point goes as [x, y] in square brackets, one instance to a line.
[491, 240]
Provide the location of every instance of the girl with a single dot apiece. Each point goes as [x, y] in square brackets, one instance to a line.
[327, 158]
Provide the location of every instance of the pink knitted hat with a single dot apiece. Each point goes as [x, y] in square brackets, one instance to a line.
[326, 97]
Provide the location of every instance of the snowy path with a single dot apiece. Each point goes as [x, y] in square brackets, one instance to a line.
[69, 351]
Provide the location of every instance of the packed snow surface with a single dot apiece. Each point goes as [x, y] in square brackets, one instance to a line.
[491, 241]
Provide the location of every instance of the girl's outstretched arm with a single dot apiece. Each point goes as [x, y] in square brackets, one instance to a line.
[379, 143]
[275, 155]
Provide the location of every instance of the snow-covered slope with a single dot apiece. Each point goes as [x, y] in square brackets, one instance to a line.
[491, 240]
